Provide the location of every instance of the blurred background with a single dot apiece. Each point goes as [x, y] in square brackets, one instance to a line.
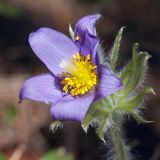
[24, 128]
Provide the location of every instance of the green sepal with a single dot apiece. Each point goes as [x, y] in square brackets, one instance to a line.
[131, 104]
[56, 125]
[115, 49]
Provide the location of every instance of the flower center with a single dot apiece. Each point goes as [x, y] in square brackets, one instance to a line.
[79, 76]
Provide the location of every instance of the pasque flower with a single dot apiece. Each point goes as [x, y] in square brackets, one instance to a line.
[77, 78]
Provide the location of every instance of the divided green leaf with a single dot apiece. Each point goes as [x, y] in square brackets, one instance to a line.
[99, 112]
[133, 74]
[131, 104]
[125, 100]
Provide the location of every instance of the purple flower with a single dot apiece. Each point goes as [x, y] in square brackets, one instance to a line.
[76, 79]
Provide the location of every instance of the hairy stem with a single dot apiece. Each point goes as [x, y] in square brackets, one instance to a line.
[118, 143]
[118, 139]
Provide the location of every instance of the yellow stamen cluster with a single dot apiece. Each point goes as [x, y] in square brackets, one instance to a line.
[80, 76]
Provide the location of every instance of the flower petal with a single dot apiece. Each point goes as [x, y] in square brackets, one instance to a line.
[74, 109]
[87, 36]
[41, 88]
[90, 46]
[52, 47]
[86, 23]
[108, 83]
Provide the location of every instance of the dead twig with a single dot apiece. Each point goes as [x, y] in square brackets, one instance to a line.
[18, 153]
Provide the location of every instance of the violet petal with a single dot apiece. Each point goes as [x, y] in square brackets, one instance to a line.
[52, 47]
[41, 88]
[86, 31]
[74, 109]
[108, 83]
[90, 46]
[86, 23]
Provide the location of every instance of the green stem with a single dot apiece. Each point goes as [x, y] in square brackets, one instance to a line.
[117, 139]
[118, 143]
